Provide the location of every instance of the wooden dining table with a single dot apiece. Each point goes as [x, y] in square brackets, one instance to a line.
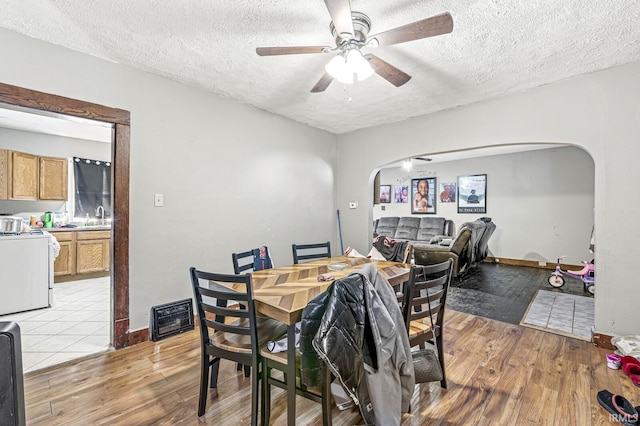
[282, 293]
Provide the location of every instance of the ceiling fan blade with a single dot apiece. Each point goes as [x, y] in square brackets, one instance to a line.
[291, 50]
[340, 11]
[387, 71]
[436, 25]
[322, 84]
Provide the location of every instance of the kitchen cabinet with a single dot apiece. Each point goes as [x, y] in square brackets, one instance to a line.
[53, 178]
[26, 176]
[23, 172]
[4, 174]
[82, 252]
[92, 251]
[65, 263]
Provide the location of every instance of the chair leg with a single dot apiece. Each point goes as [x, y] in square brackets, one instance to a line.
[266, 393]
[255, 396]
[215, 366]
[443, 383]
[261, 366]
[247, 370]
[204, 378]
[326, 398]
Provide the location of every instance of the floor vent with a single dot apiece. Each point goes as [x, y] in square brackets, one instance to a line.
[171, 318]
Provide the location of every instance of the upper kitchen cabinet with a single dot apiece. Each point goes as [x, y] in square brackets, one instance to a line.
[23, 176]
[4, 174]
[53, 178]
[29, 177]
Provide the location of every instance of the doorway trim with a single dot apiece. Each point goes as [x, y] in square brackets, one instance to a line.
[14, 95]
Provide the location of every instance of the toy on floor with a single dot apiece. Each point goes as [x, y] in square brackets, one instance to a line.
[586, 274]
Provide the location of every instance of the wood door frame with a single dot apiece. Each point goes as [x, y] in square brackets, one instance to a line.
[14, 95]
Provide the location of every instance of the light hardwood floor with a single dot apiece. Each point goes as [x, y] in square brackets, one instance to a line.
[498, 373]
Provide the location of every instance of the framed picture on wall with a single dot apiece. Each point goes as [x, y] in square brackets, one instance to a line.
[472, 194]
[385, 193]
[401, 194]
[447, 192]
[423, 200]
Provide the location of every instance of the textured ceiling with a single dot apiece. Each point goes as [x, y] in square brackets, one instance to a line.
[496, 48]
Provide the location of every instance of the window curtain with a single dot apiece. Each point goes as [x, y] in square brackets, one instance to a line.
[93, 187]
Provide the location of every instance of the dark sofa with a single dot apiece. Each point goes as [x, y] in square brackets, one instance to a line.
[412, 228]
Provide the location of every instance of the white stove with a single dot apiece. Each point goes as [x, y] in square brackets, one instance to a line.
[26, 272]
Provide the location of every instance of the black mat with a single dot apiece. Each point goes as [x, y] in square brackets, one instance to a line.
[503, 292]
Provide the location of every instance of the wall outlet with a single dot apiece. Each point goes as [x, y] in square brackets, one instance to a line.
[353, 204]
[542, 263]
[158, 200]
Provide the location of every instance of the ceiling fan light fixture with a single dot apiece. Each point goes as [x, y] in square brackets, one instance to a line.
[337, 68]
[359, 65]
[345, 66]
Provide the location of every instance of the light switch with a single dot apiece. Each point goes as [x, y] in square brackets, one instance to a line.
[158, 200]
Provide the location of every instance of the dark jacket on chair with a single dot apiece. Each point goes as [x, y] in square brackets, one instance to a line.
[357, 329]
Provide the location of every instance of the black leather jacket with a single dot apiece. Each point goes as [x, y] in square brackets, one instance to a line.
[343, 338]
[357, 329]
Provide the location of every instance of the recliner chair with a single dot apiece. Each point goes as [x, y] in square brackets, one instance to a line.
[465, 250]
[483, 244]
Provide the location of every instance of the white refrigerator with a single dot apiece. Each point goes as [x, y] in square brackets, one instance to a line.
[26, 272]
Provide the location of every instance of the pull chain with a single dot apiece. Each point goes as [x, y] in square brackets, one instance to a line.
[347, 87]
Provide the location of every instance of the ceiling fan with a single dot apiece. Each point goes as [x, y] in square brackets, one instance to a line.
[351, 31]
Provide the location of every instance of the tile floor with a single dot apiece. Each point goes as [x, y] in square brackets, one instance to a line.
[563, 312]
[75, 326]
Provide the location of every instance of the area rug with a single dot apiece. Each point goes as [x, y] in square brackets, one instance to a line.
[559, 313]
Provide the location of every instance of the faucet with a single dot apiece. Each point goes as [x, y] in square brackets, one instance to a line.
[100, 212]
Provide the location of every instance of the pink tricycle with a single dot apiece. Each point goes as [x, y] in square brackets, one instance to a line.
[586, 274]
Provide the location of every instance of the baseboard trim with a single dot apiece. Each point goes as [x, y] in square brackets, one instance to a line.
[87, 276]
[531, 263]
[138, 336]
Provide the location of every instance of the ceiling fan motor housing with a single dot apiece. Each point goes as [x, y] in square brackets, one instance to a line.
[361, 27]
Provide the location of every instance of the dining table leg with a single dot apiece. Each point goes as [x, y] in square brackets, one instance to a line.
[291, 375]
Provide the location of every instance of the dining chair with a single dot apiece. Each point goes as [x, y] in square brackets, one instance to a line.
[278, 361]
[425, 296]
[251, 260]
[310, 251]
[230, 333]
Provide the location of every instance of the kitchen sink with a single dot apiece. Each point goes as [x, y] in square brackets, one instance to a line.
[98, 225]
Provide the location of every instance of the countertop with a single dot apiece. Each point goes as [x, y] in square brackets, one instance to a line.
[79, 228]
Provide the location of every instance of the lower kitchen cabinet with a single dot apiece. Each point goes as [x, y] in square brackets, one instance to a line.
[82, 252]
[66, 260]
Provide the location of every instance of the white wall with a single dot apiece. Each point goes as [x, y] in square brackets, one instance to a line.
[541, 201]
[233, 177]
[599, 112]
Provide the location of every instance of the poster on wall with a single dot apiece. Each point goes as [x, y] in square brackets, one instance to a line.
[385, 193]
[472, 193]
[448, 192]
[423, 196]
[401, 194]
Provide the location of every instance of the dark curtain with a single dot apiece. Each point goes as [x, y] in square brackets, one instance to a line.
[93, 187]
